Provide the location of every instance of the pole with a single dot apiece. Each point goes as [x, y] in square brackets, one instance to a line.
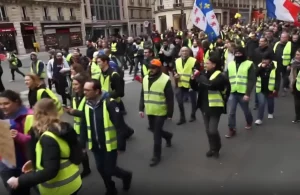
[250, 11]
[239, 6]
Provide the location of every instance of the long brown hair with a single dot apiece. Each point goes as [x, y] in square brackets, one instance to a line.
[45, 115]
[35, 79]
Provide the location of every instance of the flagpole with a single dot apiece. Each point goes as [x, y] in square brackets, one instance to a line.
[250, 12]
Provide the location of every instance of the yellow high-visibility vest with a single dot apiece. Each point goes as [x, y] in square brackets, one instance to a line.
[68, 58]
[272, 79]
[154, 98]
[109, 129]
[239, 78]
[43, 75]
[28, 123]
[185, 72]
[77, 120]
[95, 71]
[113, 47]
[298, 81]
[214, 97]
[52, 96]
[145, 70]
[286, 55]
[68, 179]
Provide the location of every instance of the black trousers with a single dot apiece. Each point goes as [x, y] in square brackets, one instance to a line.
[60, 87]
[106, 163]
[13, 73]
[211, 123]
[156, 124]
[2, 88]
[297, 106]
[6, 174]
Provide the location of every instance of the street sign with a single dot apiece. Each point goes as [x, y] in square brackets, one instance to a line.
[146, 24]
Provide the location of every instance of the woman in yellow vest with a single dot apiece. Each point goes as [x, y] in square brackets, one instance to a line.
[16, 114]
[212, 87]
[267, 86]
[295, 85]
[54, 155]
[77, 111]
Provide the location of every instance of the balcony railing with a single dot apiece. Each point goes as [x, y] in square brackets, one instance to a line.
[60, 18]
[47, 18]
[4, 19]
[72, 17]
[25, 19]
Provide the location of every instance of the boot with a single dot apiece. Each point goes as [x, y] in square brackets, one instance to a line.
[169, 140]
[214, 146]
[86, 166]
[157, 156]
[193, 118]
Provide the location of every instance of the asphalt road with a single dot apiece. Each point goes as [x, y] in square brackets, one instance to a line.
[262, 161]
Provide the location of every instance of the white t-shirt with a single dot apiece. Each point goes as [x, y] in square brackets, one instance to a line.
[195, 50]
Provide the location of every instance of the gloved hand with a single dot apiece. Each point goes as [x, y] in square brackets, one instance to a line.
[105, 95]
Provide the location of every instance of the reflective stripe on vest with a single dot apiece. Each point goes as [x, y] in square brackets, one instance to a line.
[52, 96]
[43, 75]
[67, 180]
[113, 47]
[28, 123]
[185, 72]
[154, 96]
[239, 78]
[109, 129]
[286, 55]
[77, 120]
[145, 70]
[298, 81]
[68, 58]
[214, 97]
[190, 43]
[179, 33]
[106, 85]
[272, 79]
[206, 57]
[95, 71]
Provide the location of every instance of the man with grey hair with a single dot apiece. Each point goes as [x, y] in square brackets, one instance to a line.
[184, 68]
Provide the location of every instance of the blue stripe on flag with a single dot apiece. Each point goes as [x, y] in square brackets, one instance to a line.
[271, 9]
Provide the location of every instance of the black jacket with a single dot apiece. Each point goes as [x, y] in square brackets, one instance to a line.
[50, 159]
[168, 92]
[32, 95]
[146, 63]
[259, 53]
[202, 84]
[90, 52]
[251, 45]
[116, 83]
[264, 74]
[97, 123]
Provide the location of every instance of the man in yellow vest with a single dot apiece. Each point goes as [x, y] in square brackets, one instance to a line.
[242, 78]
[157, 101]
[100, 129]
[148, 57]
[113, 85]
[113, 46]
[67, 55]
[37, 66]
[184, 68]
[188, 42]
[267, 86]
[283, 55]
[295, 85]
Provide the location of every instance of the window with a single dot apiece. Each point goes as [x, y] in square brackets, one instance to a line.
[71, 12]
[59, 11]
[45, 9]
[93, 10]
[147, 2]
[148, 14]
[102, 13]
[131, 13]
[123, 11]
[85, 12]
[2, 13]
[161, 2]
[24, 12]
[84, 1]
[141, 14]
[116, 2]
[142, 28]
[110, 13]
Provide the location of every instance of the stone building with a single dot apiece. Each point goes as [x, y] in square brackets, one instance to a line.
[30, 25]
[176, 13]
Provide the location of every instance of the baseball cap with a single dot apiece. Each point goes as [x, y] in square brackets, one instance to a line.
[155, 63]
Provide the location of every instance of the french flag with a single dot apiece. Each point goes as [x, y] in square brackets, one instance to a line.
[284, 10]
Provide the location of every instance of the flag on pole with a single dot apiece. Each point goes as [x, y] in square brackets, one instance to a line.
[284, 10]
[203, 17]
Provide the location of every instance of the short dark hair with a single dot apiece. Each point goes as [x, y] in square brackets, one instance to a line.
[104, 58]
[298, 50]
[12, 96]
[81, 78]
[150, 50]
[96, 84]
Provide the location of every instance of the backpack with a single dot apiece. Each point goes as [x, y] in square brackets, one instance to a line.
[19, 64]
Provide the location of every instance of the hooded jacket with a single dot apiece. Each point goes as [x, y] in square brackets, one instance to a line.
[50, 156]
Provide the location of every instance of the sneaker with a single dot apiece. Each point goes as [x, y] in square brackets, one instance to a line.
[257, 122]
[248, 127]
[270, 116]
[296, 121]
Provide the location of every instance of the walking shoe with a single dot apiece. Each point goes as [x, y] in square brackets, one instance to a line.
[181, 122]
[296, 121]
[192, 119]
[248, 127]
[127, 182]
[169, 141]
[212, 153]
[257, 122]
[231, 133]
[154, 161]
[270, 116]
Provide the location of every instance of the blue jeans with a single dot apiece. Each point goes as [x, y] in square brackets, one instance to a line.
[262, 101]
[236, 99]
[181, 94]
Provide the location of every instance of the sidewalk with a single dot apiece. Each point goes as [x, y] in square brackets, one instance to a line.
[44, 53]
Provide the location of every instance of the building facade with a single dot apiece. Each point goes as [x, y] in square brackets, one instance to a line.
[176, 13]
[140, 17]
[37, 25]
[103, 18]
